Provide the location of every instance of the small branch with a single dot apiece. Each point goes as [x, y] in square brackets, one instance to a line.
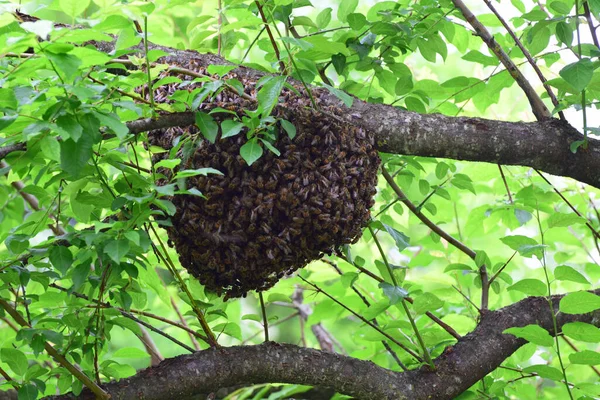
[435, 319]
[155, 355]
[467, 299]
[527, 56]
[366, 321]
[470, 253]
[264, 315]
[510, 199]
[220, 23]
[567, 202]
[271, 38]
[502, 268]
[590, 22]
[322, 336]
[571, 345]
[537, 105]
[208, 370]
[97, 390]
[127, 314]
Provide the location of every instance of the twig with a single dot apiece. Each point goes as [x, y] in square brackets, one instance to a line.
[587, 223]
[466, 250]
[219, 23]
[97, 390]
[435, 319]
[510, 199]
[527, 56]
[537, 105]
[568, 341]
[271, 38]
[456, 243]
[588, 17]
[33, 202]
[366, 321]
[502, 268]
[127, 313]
[264, 315]
[252, 44]
[467, 298]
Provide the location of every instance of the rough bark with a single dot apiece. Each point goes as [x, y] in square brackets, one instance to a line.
[542, 145]
[457, 369]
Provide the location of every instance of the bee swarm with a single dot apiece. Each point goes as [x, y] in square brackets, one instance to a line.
[261, 222]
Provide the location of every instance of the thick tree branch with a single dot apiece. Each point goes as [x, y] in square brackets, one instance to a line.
[543, 145]
[458, 368]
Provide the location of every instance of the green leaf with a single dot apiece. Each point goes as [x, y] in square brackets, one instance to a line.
[62, 258]
[230, 128]
[582, 331]
[271, 148]
[116, 249]
[278, 297]
[186, 173]
[8, 99]
[526, 246]
[348, 278]
[404, 85]
[251, 151]
[427, 302]
[532, 333]
[170, 164]
[457, 267]
[324, 18]
[16, 360]
[585, 357]
[220, 70]
[579, 303]
[532, 287]
[268, 94]
[27, 392]
[393, 293]
[566, 273]
[340, 94]
[578, 74]
[402, 241]
[375, 309]
[74, 156]
[68, 64]
[545, 371]
[304, 21]
[561, 8]
[356, 21]
[563, 220]
[73, 8]
[345, 8]
[289, 128]
[229, 328]
[130, 352]
[207, 125]
[564, 33]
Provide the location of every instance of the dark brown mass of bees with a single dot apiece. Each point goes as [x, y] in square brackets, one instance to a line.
[261, 222]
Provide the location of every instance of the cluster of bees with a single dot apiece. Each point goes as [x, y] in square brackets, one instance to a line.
[259, 223]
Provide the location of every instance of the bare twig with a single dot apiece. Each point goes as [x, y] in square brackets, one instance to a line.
[271, 38]
[510, 199]
[264, 316]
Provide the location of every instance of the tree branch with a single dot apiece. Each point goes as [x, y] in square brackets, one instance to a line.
[458, 368]
[543, 145]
